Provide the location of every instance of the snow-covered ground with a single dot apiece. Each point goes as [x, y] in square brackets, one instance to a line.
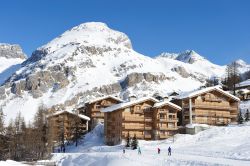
[11, 163]
[228, 145]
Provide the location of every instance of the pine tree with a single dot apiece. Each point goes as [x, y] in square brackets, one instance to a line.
[3, 138]
[240, 118]
[1, 121]
[247, 116]
[134, 143]
[128, 141]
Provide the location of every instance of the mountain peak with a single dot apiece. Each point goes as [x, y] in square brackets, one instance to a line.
[91, 25]
[240, 62]
[188, 56]
[95, 34]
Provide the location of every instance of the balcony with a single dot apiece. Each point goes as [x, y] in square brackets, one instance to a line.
[163, 136]
[147, 136]
[213, 115]
[95, 110]
[167, 128]
[133, 127]
[211, 107]
[148, 119]
[148, 127]
[169, 120]
[133, 119]
[98, 115]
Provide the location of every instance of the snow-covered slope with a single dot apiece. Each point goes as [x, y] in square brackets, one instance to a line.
[92, 60]
[242, 66]
[216, 146]
[11, 56]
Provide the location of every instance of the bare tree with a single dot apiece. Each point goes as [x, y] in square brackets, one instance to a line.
[232, 77]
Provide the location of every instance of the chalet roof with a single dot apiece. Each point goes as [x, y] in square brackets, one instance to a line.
[244, 91]
[163, 103]
[70, 112]
[103, 98]
[127, 104]
[206, 90]
[243, 83]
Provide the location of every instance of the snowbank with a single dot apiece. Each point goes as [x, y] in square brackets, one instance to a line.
[10, 163]
[216, 146]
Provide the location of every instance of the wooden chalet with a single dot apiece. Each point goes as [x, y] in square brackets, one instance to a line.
[93, 108]
[64, 123]
[144, 118]
[212, 106]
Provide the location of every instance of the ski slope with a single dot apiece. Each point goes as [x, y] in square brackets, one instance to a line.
[228, 145]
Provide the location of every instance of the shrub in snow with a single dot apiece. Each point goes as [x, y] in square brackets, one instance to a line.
[134, 143]
[247, 116]
[240, 118]
[128, 144]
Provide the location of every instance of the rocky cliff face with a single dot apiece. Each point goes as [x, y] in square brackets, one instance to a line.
[11, 51]
[92, 60]
[11, 56]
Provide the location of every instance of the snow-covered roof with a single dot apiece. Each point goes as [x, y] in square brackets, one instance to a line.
[127, 104]
[243, 83]
[244, 91]
[205, 90]
[160, 104]
[103, 98]
[70, 112]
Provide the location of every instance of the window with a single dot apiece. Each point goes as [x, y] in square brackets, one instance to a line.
[170, 125]
[161, 116]
[137, 108]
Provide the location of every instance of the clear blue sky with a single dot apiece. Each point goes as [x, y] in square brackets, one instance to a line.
[217, 29]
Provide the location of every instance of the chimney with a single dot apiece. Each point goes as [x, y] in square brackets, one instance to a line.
[165, 98]
[132, 97]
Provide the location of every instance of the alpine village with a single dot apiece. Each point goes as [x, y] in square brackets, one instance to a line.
[128, 120]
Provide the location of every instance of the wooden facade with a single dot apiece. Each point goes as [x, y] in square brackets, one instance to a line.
[63, 124]
[212, 107]
[141, 119]
[93, 109]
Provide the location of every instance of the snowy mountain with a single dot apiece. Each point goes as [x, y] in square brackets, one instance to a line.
[92, 60]
[11, 56]
[193, 63]
[242, 66]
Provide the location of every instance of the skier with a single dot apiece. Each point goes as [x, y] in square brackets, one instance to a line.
[63, 149]
[159, 150]
[139, 150]
[123, 150]
[169, 151]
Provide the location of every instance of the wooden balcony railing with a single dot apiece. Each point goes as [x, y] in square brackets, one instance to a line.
[133, 119]
[167, 128]
[147, 136]
[163, 136]
[132, 127]
[148, 127]
[211, 107]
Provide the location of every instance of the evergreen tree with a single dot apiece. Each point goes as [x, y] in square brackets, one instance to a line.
[1, 121]
[240, 118]
[3, 138]
[247, 116]
[134, 143]
[128, 141]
